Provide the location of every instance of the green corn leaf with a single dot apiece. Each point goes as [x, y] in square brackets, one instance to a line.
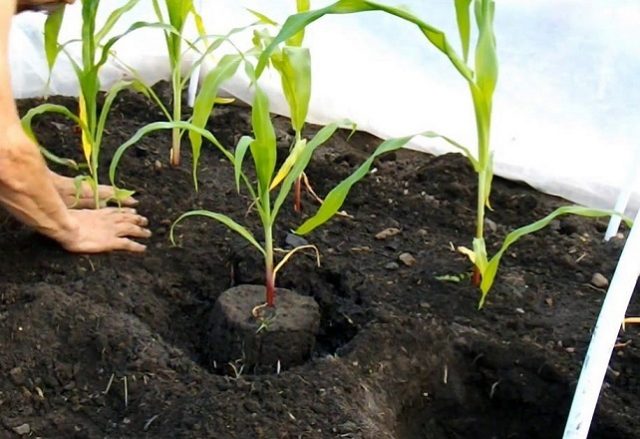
[88, 31]
[488, 176]
[77, 185]
[158, 126]
[303, 5]
[298, 22]
[464, 25]
[168, 37]
[294, 66]
[138, 85]
[106, 107]
[213, 42]
[336, 197]
[27, 122]
[261, 39]
[158, 11]
[197, 18]
[51, 32]
[488, 276]
[297, 39]
[69, 163]
[203, 105]
[302, 160]
[27, 119]
[119, 195]
[262, 18]
[178, 11]
[464, 149]
[480, 258]
[284, 170]
[113, 19]
[263, 148]
[87, 72]
[106, 47]
[241, 151]
[486, 54]
[231, 224]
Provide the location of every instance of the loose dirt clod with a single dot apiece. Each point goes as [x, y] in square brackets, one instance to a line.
[407, 259]
[22, 429]
[387, 233]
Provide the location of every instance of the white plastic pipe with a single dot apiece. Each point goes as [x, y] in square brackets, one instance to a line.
[604, 337]
[623, 198]
[195, 75]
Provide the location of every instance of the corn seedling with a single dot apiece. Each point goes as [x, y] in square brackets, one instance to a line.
[262, 148]
[482, 83]
[173, 26]
[203, 107]
[95, 51]
[178, 12]
[293, 64]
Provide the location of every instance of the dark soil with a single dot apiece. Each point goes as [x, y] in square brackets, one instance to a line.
[111, 346]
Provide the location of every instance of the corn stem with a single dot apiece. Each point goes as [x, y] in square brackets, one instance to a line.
[483, 126]
[267, 221]
[177, 115]
[297, 194]
[268, 264]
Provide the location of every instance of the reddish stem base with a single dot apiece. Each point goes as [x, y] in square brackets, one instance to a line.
[271, 290]
[476, 277]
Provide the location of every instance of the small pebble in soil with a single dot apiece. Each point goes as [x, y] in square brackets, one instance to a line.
[387, 233]
[22, 429]
[392, 266]
[598, 280]
[157, 165]
[407, 259]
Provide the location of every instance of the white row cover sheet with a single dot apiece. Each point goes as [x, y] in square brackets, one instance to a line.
[566, 113]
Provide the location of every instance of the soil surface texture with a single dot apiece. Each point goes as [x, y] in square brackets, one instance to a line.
[114, 346]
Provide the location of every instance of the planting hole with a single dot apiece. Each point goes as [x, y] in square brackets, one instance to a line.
[488, 393]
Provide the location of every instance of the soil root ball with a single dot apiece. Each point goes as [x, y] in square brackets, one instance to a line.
[280, 338]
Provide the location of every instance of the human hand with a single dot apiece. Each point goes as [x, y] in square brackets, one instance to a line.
[66, 187]
[40, 5]
[104, 230]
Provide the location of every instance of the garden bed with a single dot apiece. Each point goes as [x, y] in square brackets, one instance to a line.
[111, 346]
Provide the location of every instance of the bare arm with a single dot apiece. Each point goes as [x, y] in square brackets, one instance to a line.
[27, 189]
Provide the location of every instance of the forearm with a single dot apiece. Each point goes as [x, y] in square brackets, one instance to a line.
[26, 188]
